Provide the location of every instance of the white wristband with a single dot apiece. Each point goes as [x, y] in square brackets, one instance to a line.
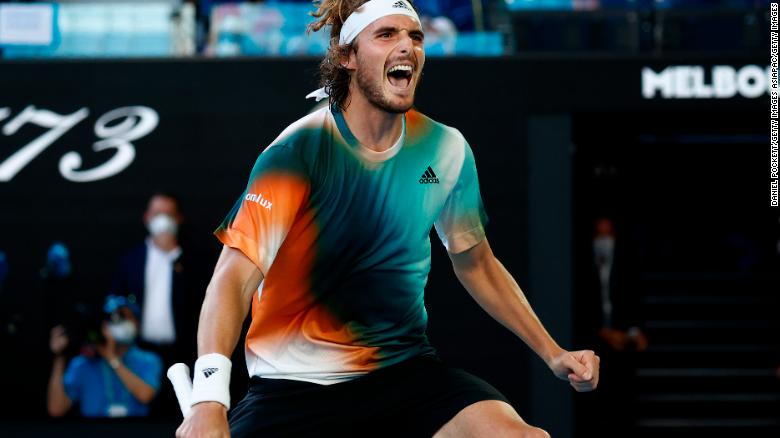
[211, 380]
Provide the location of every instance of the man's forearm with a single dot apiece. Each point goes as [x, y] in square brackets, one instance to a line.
[227, 301]
[57, 400]
[493, 287]
[142, 391]
[226, 304]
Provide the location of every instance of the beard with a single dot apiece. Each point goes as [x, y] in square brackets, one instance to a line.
[373, 92]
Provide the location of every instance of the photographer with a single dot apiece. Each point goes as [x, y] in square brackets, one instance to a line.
[111, 377]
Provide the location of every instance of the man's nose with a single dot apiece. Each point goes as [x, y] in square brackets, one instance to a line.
[406, 43]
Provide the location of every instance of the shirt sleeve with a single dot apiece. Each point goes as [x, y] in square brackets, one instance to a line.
[71, 380]
[461, 223]
[262, 216]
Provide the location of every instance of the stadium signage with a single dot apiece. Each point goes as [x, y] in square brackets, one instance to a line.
[116, 130]
[699, 82]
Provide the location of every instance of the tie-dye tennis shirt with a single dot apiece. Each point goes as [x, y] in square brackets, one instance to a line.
[341, 235]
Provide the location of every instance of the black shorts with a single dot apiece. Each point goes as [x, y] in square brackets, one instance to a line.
[414, 398]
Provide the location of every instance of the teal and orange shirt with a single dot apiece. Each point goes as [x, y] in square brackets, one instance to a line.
[341, 235]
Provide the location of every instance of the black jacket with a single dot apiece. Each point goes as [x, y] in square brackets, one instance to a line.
[625, 291]
[187, 293]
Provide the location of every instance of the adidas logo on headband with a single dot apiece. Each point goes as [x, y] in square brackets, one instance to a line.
[400, 4]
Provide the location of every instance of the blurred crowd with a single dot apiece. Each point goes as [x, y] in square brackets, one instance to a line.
[109, 356]
[164, 28]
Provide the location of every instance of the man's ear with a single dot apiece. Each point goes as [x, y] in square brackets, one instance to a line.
[349, 60]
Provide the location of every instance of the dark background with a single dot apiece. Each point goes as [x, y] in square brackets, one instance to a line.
[687, 175]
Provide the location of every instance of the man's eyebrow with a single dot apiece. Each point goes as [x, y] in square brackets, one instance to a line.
[386, 29]
[393, 29]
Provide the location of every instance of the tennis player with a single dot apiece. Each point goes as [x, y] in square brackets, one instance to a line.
[329, 242]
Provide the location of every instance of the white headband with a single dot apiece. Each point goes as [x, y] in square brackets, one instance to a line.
[358, 20]
[371, 11]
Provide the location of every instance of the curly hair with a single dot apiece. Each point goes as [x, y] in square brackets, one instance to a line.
[333, 76]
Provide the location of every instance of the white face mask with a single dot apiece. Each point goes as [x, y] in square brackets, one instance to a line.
[123, 331]
[163, 224]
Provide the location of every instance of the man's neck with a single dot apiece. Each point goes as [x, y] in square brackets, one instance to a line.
[374, 128]
[165, 242]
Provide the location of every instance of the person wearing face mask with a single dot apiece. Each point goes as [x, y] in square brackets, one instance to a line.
[167, 288]
[154, 273]
[609, 317]
[118, 380]
[619, 327]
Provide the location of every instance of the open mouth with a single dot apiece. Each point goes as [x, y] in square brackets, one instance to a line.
[400, 75]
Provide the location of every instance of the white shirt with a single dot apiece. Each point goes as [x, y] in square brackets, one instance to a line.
[157, 313]
[604, 253]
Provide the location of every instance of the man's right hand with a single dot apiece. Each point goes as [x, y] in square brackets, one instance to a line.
[205, 420]
[58, 340]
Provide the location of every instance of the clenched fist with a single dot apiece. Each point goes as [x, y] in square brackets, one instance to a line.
[580, 368]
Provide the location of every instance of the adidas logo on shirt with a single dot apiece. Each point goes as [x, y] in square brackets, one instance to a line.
[400, 4]
[209, 371]
[429, 177]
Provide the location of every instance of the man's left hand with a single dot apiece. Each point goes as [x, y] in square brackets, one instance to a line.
[580, 368]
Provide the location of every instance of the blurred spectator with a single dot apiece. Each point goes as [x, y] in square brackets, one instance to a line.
[3, 270]
[440, 35]
[616, 280]
[609, 312]
[111, 377]
[155, 274]
[57, 262]
[465, 14]
[57, 283]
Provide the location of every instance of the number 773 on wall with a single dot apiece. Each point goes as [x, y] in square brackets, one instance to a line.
[134, 123]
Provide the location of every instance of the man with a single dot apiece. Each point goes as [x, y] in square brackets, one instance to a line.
[167, 287]
[154, 273]
[610, 319]
[333, 227]
[615, 277]
[120, 381]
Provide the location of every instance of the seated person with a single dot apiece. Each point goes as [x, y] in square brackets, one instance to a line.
[111, 377]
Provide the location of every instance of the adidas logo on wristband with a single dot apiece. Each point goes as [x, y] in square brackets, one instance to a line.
[212, 380]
